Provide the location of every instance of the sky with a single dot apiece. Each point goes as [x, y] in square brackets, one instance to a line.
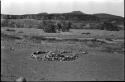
[18, 7]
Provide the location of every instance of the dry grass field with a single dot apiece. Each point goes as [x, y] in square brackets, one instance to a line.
[104, 61]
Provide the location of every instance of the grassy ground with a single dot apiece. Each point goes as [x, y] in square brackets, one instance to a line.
[103, 61]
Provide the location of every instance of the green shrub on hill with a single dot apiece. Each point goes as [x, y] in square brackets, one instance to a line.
[49, 27]
[109, 26]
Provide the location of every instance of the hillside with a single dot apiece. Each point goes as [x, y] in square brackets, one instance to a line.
[104, 15]
[74, 15]
[110, 18]
[79, 19]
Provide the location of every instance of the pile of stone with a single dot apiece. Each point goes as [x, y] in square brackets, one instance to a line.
[53, 56]
[21, 79]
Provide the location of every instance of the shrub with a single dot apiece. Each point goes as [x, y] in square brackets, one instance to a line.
[4, 22]
[66, 26]
[109, 26]
[59, 26]
[49, 27]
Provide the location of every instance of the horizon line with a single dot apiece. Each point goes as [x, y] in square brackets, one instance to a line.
[62, 13]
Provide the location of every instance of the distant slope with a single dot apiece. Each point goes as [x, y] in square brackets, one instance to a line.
[76, 13]
[104, 15]
[73, 16]
[110, 18]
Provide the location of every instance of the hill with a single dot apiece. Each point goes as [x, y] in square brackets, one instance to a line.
[110, 18]
[74, 15]
[78, 18]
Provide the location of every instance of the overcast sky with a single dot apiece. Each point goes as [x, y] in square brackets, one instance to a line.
[115, 7]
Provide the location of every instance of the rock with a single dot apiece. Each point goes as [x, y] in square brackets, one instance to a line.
[34, 56]
[54, 56]
[85, 52]
[21, 79]
[86, 33]
[39, 52]
[11, 48]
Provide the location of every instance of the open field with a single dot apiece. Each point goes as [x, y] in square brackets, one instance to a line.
[104, 61]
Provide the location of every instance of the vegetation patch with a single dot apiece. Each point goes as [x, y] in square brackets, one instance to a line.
[12, 37]
[87, 33]
[11, 30]
[54, 26]
[37, 38]
[113, 48]
[109, 26]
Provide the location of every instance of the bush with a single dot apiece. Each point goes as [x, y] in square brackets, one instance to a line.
[10, 23]
[49, 27]
[64, 26]
[67, 26]
[53, 27]
[4, 22]
[109, 26]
